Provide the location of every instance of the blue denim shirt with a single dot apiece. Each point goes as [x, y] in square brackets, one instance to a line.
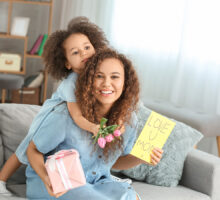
[58, 131]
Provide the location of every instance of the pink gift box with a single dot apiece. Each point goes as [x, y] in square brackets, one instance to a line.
[65, 170]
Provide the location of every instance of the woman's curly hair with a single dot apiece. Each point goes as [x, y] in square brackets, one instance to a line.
[54, 55]
[121, 111]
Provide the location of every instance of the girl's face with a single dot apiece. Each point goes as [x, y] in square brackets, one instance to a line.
[109, 81]
[78, 50]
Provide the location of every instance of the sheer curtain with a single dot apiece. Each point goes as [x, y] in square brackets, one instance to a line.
[175, 46]
[98, 11]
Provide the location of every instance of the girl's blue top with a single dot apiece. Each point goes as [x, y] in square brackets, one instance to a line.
[65, 92]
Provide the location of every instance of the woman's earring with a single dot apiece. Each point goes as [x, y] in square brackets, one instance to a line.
[68, 67]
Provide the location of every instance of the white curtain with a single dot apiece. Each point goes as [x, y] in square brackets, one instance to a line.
[175, 45]
[98, 11]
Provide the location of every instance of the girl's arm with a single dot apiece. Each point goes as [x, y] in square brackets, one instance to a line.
[129, 161]
[82, 122]
[9, 168]
[36, 161]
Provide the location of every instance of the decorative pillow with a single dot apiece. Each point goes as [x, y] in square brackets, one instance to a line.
[168, 172]
[29, 79]
[37, 81]
[34, 81]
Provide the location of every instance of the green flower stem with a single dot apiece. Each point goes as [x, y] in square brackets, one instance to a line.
[104, 131]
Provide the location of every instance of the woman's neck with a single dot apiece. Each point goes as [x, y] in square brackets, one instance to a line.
[103, 109]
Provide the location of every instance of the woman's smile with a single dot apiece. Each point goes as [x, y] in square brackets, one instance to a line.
[106, 92]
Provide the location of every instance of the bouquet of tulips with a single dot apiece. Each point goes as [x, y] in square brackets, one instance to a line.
[106, 133]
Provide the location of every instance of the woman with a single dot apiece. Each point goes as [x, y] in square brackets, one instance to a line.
[107, 87]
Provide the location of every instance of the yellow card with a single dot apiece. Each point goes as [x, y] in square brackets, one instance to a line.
[154, 134]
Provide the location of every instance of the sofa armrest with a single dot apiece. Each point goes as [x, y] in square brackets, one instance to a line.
[202, 173]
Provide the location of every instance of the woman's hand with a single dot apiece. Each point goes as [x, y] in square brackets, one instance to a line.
[49, 188]
[129, 161]
[36, 160]
[156, 156]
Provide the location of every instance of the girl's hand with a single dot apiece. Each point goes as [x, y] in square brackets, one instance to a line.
[122, 129]
[156, 156]
[49, 188]
[95, 129]
[121, 126]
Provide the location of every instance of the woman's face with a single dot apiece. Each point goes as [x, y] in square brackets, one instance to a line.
[109, 81]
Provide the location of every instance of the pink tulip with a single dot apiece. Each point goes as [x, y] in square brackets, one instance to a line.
[117, 133]
[101, 142]
[109, 138]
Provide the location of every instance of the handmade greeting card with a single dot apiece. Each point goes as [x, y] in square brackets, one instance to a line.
[154, 134]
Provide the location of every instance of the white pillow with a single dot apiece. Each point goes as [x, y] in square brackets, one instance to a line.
[37, 81]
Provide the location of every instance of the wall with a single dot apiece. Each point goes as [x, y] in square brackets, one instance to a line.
[209, 145]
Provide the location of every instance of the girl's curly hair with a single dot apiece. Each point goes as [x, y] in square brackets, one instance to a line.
[120, 112]
[54, 55]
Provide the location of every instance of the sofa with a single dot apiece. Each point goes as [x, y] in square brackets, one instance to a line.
[200, 179]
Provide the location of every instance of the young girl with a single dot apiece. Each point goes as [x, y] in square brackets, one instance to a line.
[107, 87]
[65, 54]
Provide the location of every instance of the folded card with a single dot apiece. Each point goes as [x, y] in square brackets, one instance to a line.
[154, 134]
[65, 170]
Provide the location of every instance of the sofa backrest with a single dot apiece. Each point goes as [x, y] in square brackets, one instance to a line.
[1, 151]
[15, 120]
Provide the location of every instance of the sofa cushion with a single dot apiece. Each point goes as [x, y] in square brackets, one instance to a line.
[152, 192]
[169, 170]
[15, 120]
